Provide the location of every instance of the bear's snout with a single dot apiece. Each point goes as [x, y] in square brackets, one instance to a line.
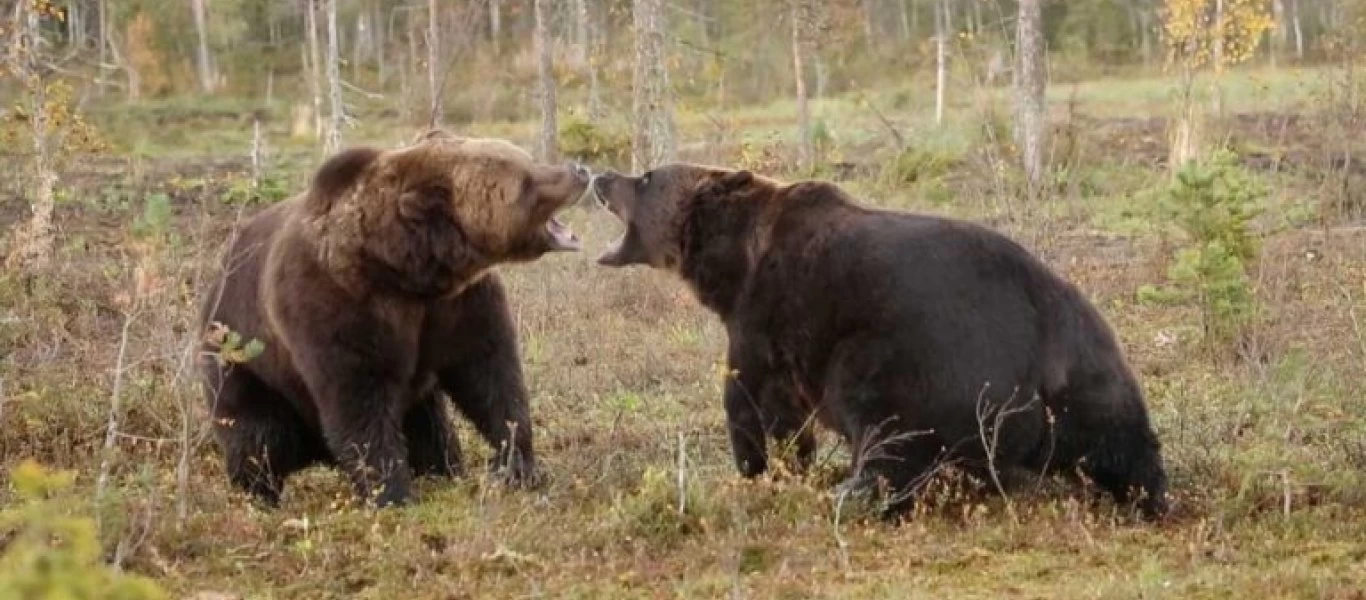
[580, 172]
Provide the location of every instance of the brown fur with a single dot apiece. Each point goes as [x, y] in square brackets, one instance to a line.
[373, 295]
[904, 333]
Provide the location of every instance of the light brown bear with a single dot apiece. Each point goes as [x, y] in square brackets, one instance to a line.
[373, 294]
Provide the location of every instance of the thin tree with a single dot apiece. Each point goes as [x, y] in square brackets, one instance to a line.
[869, 14]
[590, 59]
[580, 31]
[653, 141]
[905, 13]
[32, 245]
[941, 43]
[203, 62]
[495, 22]
[332, 140]
[315, 86]
[1031, 108]
[103, 44]
[1299, 30]
[547, 148]
[1280, 34]
[433, 51]
[801, 20]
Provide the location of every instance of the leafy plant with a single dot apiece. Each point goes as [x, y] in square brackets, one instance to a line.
[270, 189]
[155, 219]
[51, 554]
[231, 347]
[593, 143]
[1213, 206]
[912, 165]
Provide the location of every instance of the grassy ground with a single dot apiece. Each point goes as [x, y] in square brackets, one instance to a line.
[1267, 454]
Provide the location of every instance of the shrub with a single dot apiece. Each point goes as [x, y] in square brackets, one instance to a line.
[1213, 206]
[53, 554]
[912, 165]
[271, 189]
[594, 144]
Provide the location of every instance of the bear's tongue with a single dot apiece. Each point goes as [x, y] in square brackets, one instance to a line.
[561, 237]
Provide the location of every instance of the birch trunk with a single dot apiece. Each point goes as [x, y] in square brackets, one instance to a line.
[433, 52]
[32, 245]
[1031, 113]
[1299, 31]
[652, 106]
[333, 140]
[590, 43]
[941, 32]
[495, 22]
[801, 16]
[103, 44]
[203, 62]
[547, 148]
[315, 85]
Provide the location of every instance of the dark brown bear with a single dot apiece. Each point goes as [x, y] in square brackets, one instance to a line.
[920, 340]
[373, 294]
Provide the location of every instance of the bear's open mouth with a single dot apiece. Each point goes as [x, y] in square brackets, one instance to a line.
[562, 238]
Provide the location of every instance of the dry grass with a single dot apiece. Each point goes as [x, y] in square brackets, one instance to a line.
[1267, 456]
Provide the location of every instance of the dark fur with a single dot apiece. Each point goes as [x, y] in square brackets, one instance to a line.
[885, 325]
[372, 296]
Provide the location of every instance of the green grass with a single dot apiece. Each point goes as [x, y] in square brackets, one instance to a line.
[1267, 456]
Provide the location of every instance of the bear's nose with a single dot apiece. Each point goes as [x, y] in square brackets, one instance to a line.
[580, 171]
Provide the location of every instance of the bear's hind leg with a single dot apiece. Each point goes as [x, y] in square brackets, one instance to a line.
[891, 458]
[263, 440]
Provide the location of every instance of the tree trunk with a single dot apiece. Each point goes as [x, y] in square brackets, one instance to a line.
[32, 245]
[1299, 31]
[203, 63]
[381, 46]
[941, 33]
[869, 27]
[1280, 34]
[495, 22]
[915, 16]
[547, 148]
[905, 20]
[1219, 35]
[1217, 43]
[433, 54]
[75, 27]
[591, 45]
[580, 31]
[1031, 113]
[652, 106]
[801, 19]
[103, 44]
[333, 140]
[358, 44]
[315, 84]
[1145, 31]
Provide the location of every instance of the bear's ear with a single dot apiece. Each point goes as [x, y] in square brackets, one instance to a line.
[735, 180]
[424, 251]
[338, 175]
[425, 202]
[721, 183]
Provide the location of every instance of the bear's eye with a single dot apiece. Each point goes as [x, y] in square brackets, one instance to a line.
[645, 179]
